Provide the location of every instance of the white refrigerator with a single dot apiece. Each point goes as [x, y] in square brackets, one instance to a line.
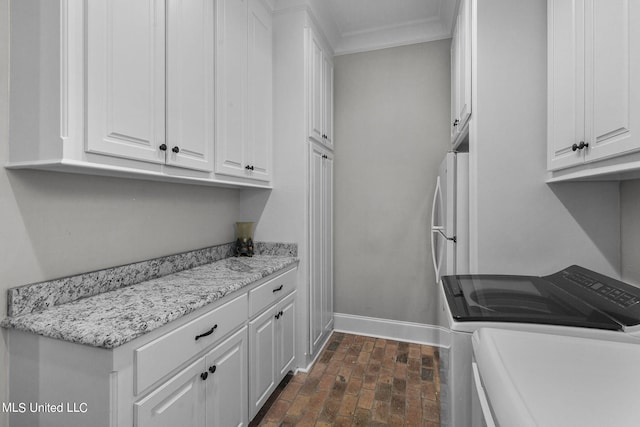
[450, 217]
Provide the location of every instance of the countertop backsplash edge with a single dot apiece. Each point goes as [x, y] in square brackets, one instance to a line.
[40, 296]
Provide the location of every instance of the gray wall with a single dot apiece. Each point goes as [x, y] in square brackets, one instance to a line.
[525, 226]
[57, 224]
[392, 109]
[630, 230]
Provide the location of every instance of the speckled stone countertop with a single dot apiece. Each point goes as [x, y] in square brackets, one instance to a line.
[113, 318]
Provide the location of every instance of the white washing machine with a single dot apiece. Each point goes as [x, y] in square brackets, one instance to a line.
[574, 302]
[529, 379]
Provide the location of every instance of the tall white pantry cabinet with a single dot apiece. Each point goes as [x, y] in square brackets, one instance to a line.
[300, 205]
[321, 244]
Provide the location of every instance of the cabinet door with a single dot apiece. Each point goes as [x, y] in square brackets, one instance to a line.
[226, 385]
[455, 87]
[231, 86]
[126, 78]
[461, 70]
[316, 293]
[316, 64]
[286, 335]
[178, 402]
[566, 98]
[190, 84]
[611, 75]
[262, 351]
[327, 243]
[260, 90]
[464, 64]
[327, 103]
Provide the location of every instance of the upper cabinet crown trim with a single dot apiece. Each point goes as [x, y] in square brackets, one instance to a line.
[330, 14]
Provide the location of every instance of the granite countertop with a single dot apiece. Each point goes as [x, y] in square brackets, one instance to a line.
[113, 318]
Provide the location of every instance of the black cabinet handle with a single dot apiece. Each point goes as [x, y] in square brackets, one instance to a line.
[279, 314]
[206, 334]
[204, 375]
[163, 147]
[176, 149]
[249, 167]
[279, 288]
[580, 146]
[212, 368]
[456, 122]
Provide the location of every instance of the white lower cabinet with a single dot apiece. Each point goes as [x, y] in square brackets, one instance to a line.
[214, 367]
[272, 349]
[179, 401]
[226, 383]
[212, 391]
[285, 336]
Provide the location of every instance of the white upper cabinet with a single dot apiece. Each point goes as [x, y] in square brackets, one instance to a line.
[327, 100]
[154, 89]
[461, 73]
[593, 84]
[150, 81]
[126, 75]
[244, 98]
[320, 69]
[190, 84]
[260, 96]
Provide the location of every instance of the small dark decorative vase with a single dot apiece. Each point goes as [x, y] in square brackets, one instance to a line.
[244, 242]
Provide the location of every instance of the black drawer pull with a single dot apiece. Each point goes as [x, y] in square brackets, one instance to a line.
[206, 334]
[277, 289]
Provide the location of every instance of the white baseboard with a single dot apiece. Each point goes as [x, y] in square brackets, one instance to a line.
[392, 329]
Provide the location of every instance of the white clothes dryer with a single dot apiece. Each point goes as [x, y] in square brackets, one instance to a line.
[572, 302]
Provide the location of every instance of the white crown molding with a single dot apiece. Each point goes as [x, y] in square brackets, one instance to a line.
[319, 14]
[383, 37]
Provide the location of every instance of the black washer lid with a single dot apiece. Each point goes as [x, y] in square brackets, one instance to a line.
[520, 299]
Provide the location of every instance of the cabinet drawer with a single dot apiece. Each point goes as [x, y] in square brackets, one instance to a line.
[161, 356]
[271, 291]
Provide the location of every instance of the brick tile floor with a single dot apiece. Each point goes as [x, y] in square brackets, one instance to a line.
[360, 381]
